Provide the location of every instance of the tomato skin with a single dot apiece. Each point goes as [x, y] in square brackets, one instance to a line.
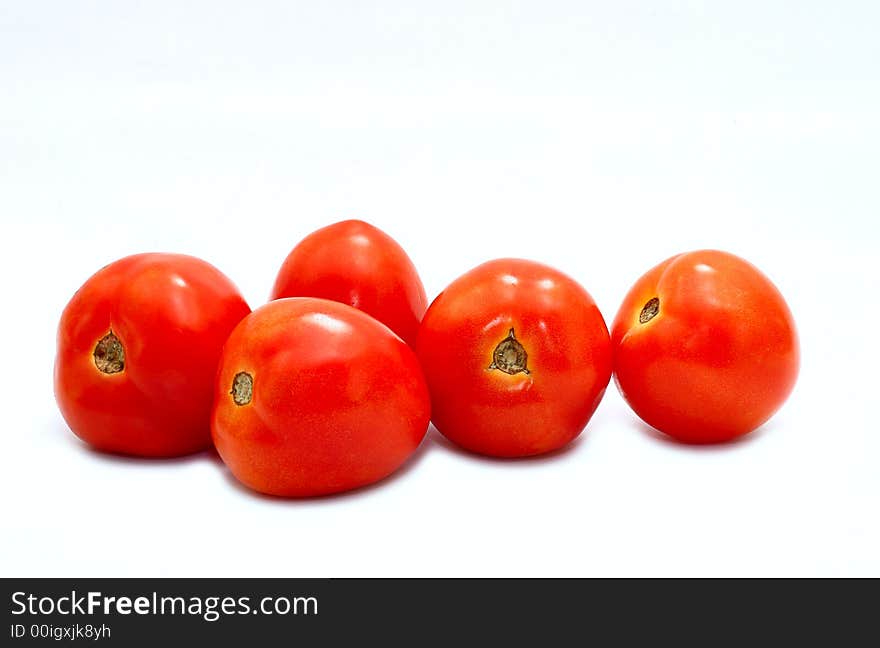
[338, 400]
[357, 264]
[172, 314]
[718, 359]
[557, 323]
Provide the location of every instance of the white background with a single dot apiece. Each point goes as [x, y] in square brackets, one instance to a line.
[598, 137]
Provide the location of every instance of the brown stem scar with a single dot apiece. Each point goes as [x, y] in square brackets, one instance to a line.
[649, 310]
[242, 388]
[510, 356]
[109, 354]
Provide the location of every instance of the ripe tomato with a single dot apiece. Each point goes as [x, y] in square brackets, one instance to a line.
[357, 264]
[138, 346]
[314, 397]
[705, 347]
[517, 358]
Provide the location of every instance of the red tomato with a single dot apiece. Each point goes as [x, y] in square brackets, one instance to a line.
[138, 346]
[705, 347]
[314, 397]
[517, 358]
[357, 264]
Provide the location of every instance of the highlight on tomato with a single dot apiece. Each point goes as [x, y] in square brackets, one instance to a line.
[314, 397]
[355, 263]
[517, 358]
[137, 350]
[705, 347]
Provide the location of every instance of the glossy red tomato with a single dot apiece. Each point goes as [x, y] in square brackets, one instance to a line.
[517, 358]
[314, 397]
[138, 346]
[357, 264]
[705, 347]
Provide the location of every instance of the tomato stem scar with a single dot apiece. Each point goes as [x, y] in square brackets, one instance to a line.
[650, 309]
[109, 354]
[510, 356]
[242, 388]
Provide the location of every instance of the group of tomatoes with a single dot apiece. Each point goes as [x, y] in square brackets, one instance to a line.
[332, 384]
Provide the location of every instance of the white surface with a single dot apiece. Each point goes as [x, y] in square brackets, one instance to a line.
[598, 139]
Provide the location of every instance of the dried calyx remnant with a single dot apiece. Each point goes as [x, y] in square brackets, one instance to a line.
[109, 354]
[649, 310]
[242, 388]
[510, 356]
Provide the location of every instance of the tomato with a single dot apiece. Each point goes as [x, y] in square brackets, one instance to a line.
[138, 346]
[315, 397]
[517, 357]
[705, 347]
[357, 264]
